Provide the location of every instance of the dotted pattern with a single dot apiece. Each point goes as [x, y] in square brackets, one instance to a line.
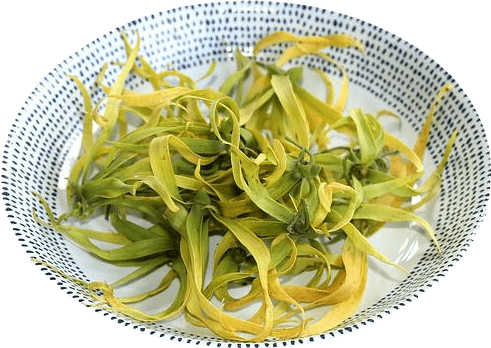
[188, 38]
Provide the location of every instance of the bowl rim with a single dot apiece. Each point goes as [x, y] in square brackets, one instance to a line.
[188, 337]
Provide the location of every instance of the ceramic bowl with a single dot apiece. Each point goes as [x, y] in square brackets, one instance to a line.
[391, 74]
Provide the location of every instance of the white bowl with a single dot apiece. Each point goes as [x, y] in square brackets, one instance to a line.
[392, 74]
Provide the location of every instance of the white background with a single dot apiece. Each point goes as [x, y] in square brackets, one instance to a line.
[35, 309]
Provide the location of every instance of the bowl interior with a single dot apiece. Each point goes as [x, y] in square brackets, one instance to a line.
[391, 74]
